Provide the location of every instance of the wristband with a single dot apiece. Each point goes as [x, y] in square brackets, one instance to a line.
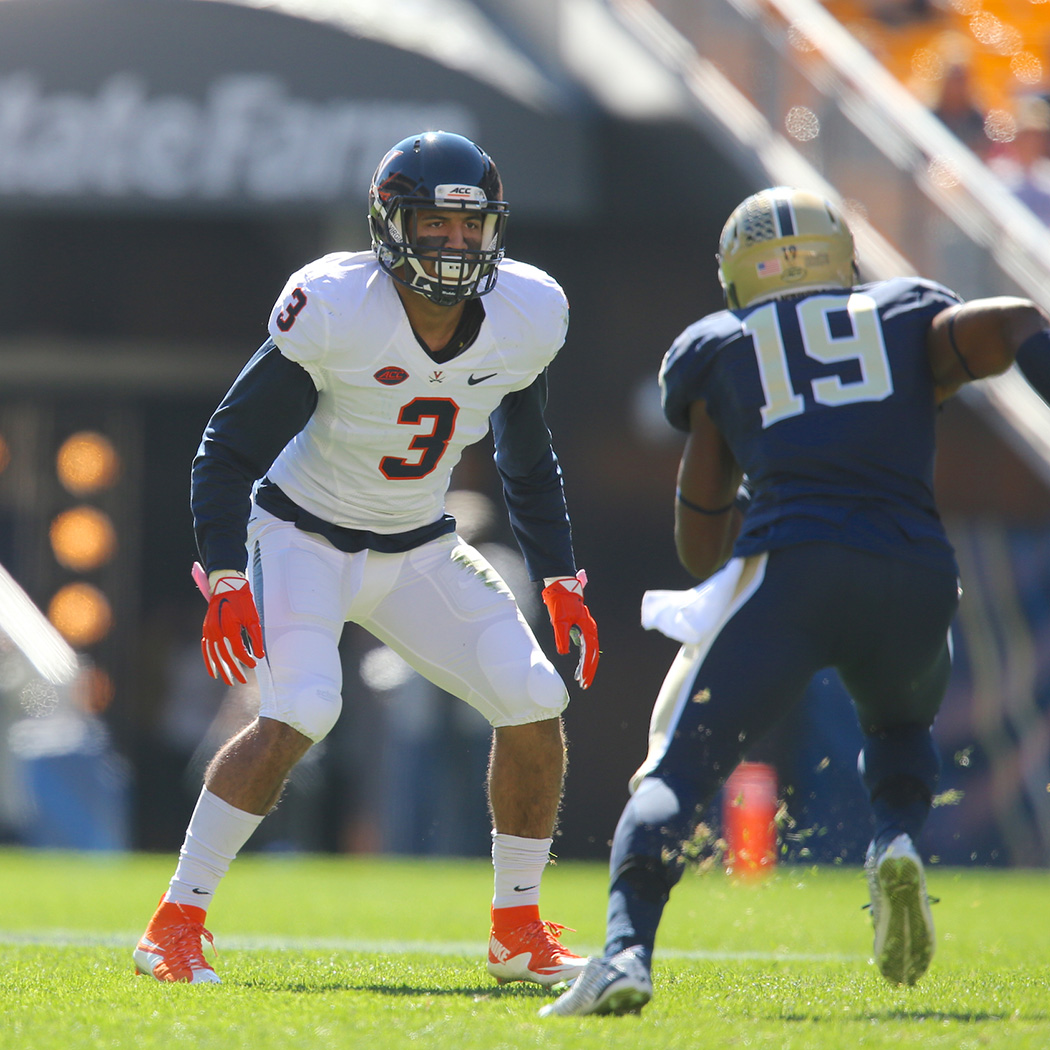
[955, 345]
[702, 510]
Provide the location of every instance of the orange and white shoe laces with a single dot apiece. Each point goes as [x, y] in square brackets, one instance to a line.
[171, 950]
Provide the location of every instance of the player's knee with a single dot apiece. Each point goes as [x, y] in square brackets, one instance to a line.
[537, 696]
[520, 684]
[546, 689]
[315, 710]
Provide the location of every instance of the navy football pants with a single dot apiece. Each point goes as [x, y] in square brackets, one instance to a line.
[882, 623]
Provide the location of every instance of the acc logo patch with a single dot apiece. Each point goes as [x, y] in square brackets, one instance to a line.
[390, 376]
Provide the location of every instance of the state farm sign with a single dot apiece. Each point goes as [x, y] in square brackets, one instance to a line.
[246, 139]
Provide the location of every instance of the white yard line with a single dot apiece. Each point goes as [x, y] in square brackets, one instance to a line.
[248, 942]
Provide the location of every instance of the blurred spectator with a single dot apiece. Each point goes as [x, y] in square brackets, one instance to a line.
[64, 784]
[1025, 167]
[958, 110]
[896, 13]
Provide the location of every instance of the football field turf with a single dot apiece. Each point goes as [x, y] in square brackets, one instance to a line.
[346, 952]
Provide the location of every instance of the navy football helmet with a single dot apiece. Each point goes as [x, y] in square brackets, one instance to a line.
[437, 169]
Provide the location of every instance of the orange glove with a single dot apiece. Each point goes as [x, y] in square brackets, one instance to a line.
[570, 618]
[232, 620]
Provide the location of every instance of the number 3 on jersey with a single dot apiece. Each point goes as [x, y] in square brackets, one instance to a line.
[864, 345]
[431, 446]
[286, 318]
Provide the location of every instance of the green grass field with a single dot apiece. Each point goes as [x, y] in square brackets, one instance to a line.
[341, 952]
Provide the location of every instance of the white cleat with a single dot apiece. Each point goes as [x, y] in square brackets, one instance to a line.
[900, 911]
[618, 985]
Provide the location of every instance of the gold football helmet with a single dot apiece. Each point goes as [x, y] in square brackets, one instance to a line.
[783, 241]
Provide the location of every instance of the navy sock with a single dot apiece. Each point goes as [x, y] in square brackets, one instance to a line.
[646, 861]
[902, 805]
[637, 899]
[899, 768]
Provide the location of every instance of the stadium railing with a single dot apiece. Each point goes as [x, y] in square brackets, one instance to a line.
[793, 98]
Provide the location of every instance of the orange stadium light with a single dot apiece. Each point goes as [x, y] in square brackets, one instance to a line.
[87, 462]
[83, 538]
[81, 614]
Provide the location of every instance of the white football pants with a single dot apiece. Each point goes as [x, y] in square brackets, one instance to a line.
[441, 607]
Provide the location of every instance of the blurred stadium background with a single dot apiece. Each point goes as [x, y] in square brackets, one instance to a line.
[164, 164]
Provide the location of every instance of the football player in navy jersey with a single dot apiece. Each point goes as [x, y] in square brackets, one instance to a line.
[823, 393]
[318, 497]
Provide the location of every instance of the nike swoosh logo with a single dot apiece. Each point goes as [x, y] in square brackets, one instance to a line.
[522, 889]
[203, 893]
[473, 380]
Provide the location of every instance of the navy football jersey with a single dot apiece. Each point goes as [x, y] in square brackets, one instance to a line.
[827, 402]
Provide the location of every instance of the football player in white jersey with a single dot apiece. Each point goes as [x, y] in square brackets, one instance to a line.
[318, 498]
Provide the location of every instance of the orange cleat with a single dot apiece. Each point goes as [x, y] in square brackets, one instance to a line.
[170, 949]
[529, 950]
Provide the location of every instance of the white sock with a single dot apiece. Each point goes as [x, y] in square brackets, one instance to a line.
[215, 835]
[519, 865]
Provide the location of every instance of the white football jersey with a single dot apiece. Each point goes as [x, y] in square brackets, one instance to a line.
[390, 423]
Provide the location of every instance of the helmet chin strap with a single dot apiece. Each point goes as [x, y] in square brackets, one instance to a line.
[424, 282]
[449, 273]
[457, 276]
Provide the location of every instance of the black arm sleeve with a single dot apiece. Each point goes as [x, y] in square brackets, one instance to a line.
[269, 403]
[532, 482]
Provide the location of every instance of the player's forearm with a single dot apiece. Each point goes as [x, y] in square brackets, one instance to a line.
[704, 542]
[983, 337]
[532, 482]
[269, 403]
[220, 499]
[1019, 332]
[539, 520]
